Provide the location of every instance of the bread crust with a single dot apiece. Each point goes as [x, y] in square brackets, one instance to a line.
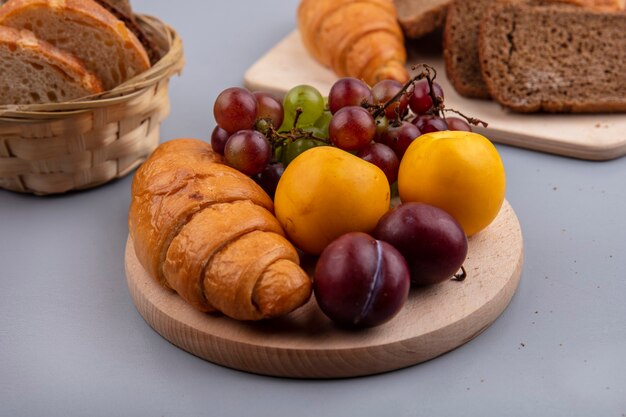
[419, 25]
[71, 68]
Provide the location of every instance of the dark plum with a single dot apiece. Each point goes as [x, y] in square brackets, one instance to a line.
[360, 281]
[431, 240]
[383, 157]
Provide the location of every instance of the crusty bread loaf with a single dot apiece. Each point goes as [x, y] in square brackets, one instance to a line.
[85, 29]
[460, 47]
[538, 56]
[34, 71]
[421, 17]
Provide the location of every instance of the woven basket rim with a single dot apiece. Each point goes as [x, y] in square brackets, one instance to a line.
[171, 63]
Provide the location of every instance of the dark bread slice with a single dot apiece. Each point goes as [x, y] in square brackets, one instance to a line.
[536, 56]
[421, 17]
[460, 47]
[124, 12]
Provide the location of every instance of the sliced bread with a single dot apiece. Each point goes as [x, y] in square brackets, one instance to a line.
[538, 56]
[421, 17]
[123, 11]
[460, 47]
[87, 30]
[36, 72]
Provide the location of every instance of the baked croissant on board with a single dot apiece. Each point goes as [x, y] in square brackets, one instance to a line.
[356, 38]
[207, 231]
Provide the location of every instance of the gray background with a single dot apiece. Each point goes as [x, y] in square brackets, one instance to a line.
[72, 343]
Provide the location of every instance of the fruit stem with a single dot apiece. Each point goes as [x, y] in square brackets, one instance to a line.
[425, 73]
[471, 120]
[460, 276]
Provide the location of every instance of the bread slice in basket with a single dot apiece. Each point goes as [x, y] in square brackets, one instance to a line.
[84, 28]
[34, 71]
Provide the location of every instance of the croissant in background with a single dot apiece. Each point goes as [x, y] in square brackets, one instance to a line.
[356, 38]
[207, 231]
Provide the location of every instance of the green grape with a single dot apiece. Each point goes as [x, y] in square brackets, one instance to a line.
[287, 124]
[308, 99]
[322, 124]
[295, 148]
[316, 131]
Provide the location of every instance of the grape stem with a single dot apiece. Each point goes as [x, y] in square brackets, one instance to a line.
[425, 73]
[471, 120]
[438, 108]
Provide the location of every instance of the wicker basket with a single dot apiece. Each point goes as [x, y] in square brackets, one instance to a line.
[55, 148]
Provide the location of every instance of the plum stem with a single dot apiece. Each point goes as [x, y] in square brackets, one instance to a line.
[460, 276]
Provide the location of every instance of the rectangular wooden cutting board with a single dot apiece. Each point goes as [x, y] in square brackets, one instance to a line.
[586, 136]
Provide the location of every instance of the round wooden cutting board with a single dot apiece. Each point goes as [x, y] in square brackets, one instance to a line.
[306, 344]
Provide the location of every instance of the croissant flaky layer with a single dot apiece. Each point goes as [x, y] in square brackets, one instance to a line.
[207, 231]
[357, 38]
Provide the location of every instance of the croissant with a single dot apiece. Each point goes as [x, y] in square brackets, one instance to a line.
[356, 38]
[207, 231]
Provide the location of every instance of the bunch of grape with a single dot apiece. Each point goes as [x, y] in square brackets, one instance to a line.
[260, 136]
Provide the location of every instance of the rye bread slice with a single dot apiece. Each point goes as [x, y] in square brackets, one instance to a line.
[460, 47]
[421, 17]
[35, 72]
[538, 56]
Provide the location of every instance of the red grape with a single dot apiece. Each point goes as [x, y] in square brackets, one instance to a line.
[348, 92]
[248, 151]
[428, 123]
[431, 240]
[455, 123]
[352, 128]
[235, 109]
[218, 139]
[383, 157]
[420, 101]
[360, 281]
[269, 177]
[399, 137]
[382, 123]
[269, 108]
[384, 91]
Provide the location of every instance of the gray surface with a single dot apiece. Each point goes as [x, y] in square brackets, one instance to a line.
[72, 343]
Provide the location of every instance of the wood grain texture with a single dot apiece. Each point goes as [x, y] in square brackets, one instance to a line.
[306, 344]
[584, 136]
